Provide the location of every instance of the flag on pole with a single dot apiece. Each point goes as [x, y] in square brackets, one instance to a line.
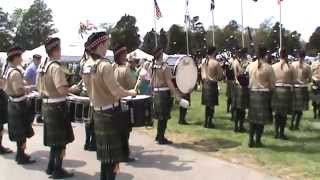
[279, 1]
[213, 5]
[158, 12]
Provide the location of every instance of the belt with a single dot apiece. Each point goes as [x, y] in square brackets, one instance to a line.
[161, 89]
[20, 99]
[301, 85]
[53, 100]
[260, 89]
[283, 85]
[103, 108]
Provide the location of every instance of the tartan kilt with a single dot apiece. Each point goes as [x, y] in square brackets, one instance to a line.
[300, 99]
[282, 100]
[240, 99]
[3, 109]
[210, 93]
[315, 94]
[20, 119]
[230, 88]
[108, 139]
[57, 126]
[260, 107]
[162, 105]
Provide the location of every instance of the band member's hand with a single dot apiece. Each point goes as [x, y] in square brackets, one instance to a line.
[74, 89]
[133, 92]
[28, 89]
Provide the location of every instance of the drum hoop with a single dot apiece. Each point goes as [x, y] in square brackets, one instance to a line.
[176, 71]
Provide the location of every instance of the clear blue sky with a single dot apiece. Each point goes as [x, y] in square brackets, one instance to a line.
[301, 15]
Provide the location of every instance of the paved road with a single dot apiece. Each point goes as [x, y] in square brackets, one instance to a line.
[154, 162]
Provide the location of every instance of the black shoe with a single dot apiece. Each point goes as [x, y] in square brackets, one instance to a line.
[242, 130]
[130, 160]
[4, 150]
[165, 142]
[61, 174]
[92, 148]
[86, 147]
[236, 129]
[251, 145]
[39, 119]
[184, 123]
[260, 145]
[24, 159]
[291, 128]
[49, 171]
[277, 136]
[211, 126]
[283, 137]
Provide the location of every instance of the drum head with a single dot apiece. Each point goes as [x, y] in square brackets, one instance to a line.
[138, 97]
[186, 74]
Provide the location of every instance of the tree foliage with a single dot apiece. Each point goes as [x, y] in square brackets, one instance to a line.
[5, 31]
[126, 33]
[36, 26]
[313, 47]
[177, 40]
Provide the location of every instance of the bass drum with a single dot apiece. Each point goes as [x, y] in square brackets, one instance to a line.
[186, 74]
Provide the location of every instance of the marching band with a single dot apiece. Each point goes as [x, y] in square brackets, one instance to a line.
[110, 90]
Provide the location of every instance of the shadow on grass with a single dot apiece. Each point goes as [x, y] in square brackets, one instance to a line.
[209, 145]
[301, 148]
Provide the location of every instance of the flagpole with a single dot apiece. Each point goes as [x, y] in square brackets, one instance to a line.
[155, 25]
[242, 23]
[213, 38]
[187, 27]
[280, 33]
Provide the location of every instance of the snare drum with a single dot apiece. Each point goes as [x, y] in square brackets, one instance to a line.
[139, 108]
[79, 109]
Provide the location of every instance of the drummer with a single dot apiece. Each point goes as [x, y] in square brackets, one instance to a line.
[301, 93]
[19, 114]
[3, 111]
[316, 88]
[53, 87]
[90, 139]
[163, 91]
[282, 95]
[211, 73]
[123, 73]
[104, 92]
[240, 99]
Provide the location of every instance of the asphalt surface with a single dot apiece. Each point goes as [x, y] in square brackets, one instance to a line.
[154, 162]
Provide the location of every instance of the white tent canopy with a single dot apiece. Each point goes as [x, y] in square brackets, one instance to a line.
[139, 54]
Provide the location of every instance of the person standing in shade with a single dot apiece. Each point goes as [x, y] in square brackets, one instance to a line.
[211, 72]
[301, 92]
[262, 81]
[163, 89]
[125, 75]
[282, 94]
[104, 92]
[53, 87]
[19, 113]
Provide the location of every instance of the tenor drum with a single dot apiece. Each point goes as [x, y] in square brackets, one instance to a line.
[79, 109]
[185, 72]
[139, 108]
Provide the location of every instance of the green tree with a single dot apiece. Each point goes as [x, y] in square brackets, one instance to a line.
[177, 40]
[36, 26]
[313, 47]
[149, 42]
[16, 18]
[107, 27]
[126, 33]
[5, 31]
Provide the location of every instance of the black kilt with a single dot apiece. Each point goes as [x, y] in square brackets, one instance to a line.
[260, 107]
[282, 100]
[300, 99]
[3, 109]
[162, 105]
[108, 138]
[20, 119]
[315, 94]
[240, 99]
[57, 127]
[210, 93]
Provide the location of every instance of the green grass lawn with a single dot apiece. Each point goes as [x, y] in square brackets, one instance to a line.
[298, 158]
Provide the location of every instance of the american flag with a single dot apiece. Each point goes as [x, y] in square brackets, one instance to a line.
[158, 12]
[212, 5]
[279, 1]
